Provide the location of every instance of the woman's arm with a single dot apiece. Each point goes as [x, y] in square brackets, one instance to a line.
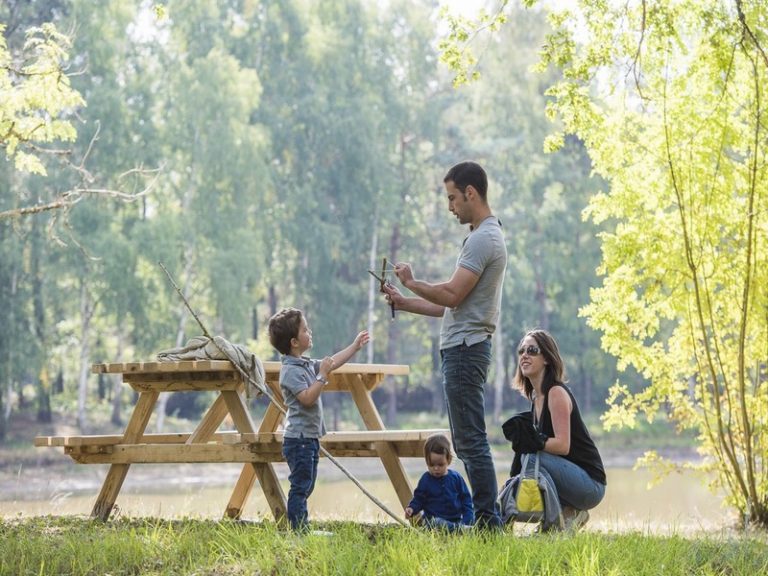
[560, 408]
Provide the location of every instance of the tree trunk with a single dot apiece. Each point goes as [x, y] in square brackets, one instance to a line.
[373, 288]
[86, 311]
[117, 385]
[43, 391]
[393, 332]
[438, 395]
[499, 379]
[3, 418]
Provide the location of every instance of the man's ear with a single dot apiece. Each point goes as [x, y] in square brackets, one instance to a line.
[470, 191]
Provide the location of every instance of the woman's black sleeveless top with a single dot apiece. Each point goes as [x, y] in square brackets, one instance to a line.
[583, 451]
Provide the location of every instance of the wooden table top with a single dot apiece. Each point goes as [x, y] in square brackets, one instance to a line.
[270, 367]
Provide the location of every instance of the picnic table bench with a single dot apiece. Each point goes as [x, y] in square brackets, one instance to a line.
[256, 448]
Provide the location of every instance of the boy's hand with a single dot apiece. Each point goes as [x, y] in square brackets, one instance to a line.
[362, 339]
[326, 365]
[408, 512]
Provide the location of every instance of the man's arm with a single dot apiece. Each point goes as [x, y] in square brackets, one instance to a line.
[445, 294]
[414, 305]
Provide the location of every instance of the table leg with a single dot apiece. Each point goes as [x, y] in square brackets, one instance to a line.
[210, 421]
[142, 412]
[238, 411]
[270, 485]
[387, 452]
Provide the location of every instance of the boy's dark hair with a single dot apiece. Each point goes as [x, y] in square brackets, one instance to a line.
[284, 326]
[437, 444]
[469, 174]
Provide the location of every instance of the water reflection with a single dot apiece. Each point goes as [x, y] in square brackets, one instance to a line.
[680, 503]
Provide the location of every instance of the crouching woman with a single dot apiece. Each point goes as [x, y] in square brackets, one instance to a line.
[569, 455]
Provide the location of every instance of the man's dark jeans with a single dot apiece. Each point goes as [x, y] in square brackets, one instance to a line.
[465, 369]
[302, 455]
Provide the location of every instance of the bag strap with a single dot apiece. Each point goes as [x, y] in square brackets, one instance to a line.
[524, 466]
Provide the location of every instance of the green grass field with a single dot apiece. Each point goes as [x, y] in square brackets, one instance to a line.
[78, 546]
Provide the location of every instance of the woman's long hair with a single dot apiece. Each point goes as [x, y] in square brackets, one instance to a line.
[554, 371]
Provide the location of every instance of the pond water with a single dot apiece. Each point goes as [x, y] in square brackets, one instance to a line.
[680, 503]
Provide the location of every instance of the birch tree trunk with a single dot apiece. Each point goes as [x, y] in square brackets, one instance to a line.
[499, 376]
[86, 313]
[372, 288]
[117, 384]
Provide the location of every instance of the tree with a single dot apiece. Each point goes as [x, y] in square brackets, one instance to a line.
[669, 98]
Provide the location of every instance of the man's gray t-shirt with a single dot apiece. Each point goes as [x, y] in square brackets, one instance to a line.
[484, 253]
[296, 375]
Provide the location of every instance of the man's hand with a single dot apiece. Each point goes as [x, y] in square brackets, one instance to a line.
[393, 295]
[404, 273]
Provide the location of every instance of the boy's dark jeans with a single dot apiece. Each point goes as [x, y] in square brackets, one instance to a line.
[302, 455]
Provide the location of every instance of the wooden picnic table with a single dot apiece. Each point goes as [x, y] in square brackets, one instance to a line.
[256, 448]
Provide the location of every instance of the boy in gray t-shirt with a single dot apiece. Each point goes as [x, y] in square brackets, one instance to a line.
[301, 382]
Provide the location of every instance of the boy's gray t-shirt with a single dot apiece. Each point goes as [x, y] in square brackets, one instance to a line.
[296, 375]
[484, 252]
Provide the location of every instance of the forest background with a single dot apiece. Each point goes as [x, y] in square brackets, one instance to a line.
[269, 153]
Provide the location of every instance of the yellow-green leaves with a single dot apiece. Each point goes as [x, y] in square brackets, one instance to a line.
[36, 97]
[669, 98]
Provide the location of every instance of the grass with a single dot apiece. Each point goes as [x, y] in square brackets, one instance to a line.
[68, 545]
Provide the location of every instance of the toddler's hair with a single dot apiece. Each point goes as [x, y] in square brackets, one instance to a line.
[437, 444]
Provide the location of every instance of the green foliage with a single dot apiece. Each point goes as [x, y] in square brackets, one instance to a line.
[455, 49]
[291, 136]
[668, 97]
[37, 96]
[148, 546]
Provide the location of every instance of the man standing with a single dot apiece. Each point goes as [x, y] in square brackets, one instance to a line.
[469, 304]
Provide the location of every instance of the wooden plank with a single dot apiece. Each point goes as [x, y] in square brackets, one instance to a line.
[105, 440]
[105, 501]
[270, 367]
[241, 492]
[211, 421]
[238, 411]
[183, 385]
[346, 436]
[127, 454]
[394, 466]
[218, 453]
[366, 407]
[180, 366]
[113, 482]
[272, 490]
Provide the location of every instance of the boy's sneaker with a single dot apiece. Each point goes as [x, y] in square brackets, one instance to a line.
[321, 533]
[574, 519]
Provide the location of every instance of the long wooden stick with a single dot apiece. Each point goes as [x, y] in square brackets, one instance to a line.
[247, 377]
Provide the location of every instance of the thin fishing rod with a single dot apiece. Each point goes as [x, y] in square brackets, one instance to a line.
[268, 394]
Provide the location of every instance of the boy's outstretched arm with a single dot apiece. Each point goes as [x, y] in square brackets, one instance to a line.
[342, 356]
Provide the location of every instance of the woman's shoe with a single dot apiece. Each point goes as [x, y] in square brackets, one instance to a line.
[574, 519]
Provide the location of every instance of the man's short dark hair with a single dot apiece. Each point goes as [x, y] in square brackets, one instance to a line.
[469, 174]
[283, 327]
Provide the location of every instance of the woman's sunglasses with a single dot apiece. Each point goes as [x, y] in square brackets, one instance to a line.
[530, 350]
